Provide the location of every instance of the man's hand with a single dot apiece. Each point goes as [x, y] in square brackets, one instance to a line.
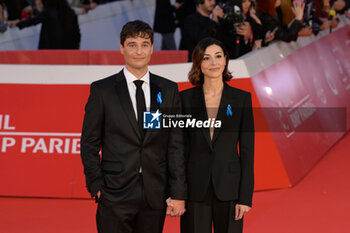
[12, 23]
[97, 196]
[177, 5]
[240, 211]
[176, 208]
[217, 13]
[245, 30]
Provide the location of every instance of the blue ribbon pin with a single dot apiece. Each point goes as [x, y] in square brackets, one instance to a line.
[159, 98]
[229, 110]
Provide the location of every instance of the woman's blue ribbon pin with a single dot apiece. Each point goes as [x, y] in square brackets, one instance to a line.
[159, 98]
[229, 110]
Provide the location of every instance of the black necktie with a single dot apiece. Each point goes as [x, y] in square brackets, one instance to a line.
[140, 105]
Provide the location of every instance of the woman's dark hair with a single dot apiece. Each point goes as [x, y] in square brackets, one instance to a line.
[240, 3]
[266, 7]
[134, 29]
[195, 76]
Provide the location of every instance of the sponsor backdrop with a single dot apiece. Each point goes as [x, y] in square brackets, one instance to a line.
[310, 91]
[40, 120]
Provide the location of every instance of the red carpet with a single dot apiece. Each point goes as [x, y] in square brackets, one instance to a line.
[318, 204]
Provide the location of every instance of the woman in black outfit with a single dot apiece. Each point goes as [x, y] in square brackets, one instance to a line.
[220, 177]
[60, 28]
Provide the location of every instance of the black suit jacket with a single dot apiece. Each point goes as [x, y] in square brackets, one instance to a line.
[164, 20]
[54, 34]
[231, 172]
[195, 28]
[110, 125]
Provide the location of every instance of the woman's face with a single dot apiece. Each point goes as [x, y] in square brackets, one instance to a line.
[277, 3]
[246, 5]
[213, 63]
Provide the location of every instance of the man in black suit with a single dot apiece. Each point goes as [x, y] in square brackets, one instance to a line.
[164, 23]
[139, 169]
[199, 25]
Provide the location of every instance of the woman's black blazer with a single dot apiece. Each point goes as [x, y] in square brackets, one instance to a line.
[228, 159]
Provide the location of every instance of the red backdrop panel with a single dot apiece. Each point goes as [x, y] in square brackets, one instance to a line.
[40, 140]
[37, 57]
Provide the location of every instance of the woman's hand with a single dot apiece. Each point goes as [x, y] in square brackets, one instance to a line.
[326, 24]
[270, 36]
[305, 32]
[252, 13]
[241, 210]
[257, 44]
[298, 9]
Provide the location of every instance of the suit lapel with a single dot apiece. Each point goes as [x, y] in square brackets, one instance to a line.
[124, 96]
[200, 112]
[155, 90]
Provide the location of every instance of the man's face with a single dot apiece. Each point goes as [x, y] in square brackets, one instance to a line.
[137, 52]
[39, 5]
[208, 5]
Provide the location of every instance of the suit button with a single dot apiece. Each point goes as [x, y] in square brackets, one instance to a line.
[139, 170]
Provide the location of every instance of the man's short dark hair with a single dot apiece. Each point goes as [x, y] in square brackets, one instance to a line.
[199, 2]
[134, 29]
